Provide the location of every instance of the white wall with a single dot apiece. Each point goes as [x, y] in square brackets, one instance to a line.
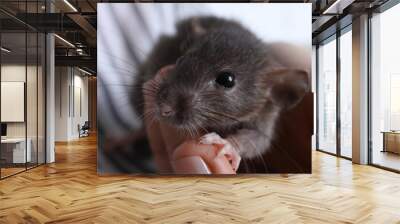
[79, 117]
[62, 82]
[70, 83]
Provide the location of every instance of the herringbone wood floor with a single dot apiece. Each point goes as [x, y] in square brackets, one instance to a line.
[70, 191]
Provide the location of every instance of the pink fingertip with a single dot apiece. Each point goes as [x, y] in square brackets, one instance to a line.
[190, 165]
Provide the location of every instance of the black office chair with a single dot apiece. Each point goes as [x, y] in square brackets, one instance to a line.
[84, 130]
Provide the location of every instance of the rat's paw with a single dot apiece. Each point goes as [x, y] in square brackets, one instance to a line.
[226, 150]
[212, 138]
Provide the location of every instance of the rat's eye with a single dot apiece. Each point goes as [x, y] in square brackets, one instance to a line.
[226, 79]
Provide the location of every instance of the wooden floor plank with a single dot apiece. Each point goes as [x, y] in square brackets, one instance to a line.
[70, 191]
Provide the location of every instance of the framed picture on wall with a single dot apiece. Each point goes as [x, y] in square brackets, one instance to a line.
[12, 101]
[204, 88]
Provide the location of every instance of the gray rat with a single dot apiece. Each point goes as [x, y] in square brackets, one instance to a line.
[224, 80]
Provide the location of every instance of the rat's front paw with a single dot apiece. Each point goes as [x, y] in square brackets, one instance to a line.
[212, 138]
[225, 148]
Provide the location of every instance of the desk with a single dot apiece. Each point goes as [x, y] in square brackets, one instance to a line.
[391, 141]
[15, 148]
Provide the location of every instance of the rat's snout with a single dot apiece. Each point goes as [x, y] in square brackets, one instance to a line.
[166, 110]
[175, 105]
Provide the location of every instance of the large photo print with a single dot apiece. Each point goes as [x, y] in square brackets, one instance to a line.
[204, 88]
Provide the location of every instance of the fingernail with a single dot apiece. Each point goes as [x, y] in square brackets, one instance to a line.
[238, 163]
[191, 165]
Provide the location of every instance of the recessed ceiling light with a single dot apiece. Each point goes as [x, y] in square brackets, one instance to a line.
[337, 7]
[65, 41]
[70, 5]
[84, 71]
[5, 50]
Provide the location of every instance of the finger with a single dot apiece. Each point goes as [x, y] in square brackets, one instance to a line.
[236, 161]
[221, 165]
[208, 153]
[190, 165]
[231, 154]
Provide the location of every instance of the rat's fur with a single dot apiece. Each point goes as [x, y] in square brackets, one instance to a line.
[245, 114]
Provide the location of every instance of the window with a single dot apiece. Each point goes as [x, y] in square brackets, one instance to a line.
[346, 93]
[314, 90]
[327, 96]
[385, 89]
[333, 137]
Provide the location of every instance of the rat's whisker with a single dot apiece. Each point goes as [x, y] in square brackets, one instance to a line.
[197, 129]
[223, 115]
[193, 130]
[199, 123]
[208, 118]
[234, 143]
[188, 131]
[260, 155]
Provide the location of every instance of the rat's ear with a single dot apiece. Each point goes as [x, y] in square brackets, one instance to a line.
[197, 28]
[193, 30]
[286, 87]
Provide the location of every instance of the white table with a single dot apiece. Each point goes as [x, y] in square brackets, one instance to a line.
[391, 141]
[18, 144]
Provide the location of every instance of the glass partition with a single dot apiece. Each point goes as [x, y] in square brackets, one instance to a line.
[32, 88]
[31, 100]
[14, 153]
[22, 78]
[41, 96]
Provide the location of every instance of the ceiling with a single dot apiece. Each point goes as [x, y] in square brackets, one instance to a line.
[76, 21]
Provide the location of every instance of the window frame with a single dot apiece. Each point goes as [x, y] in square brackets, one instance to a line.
[334, 37]
[381, 9]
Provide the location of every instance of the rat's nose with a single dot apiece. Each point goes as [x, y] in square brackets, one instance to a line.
[166, 110]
